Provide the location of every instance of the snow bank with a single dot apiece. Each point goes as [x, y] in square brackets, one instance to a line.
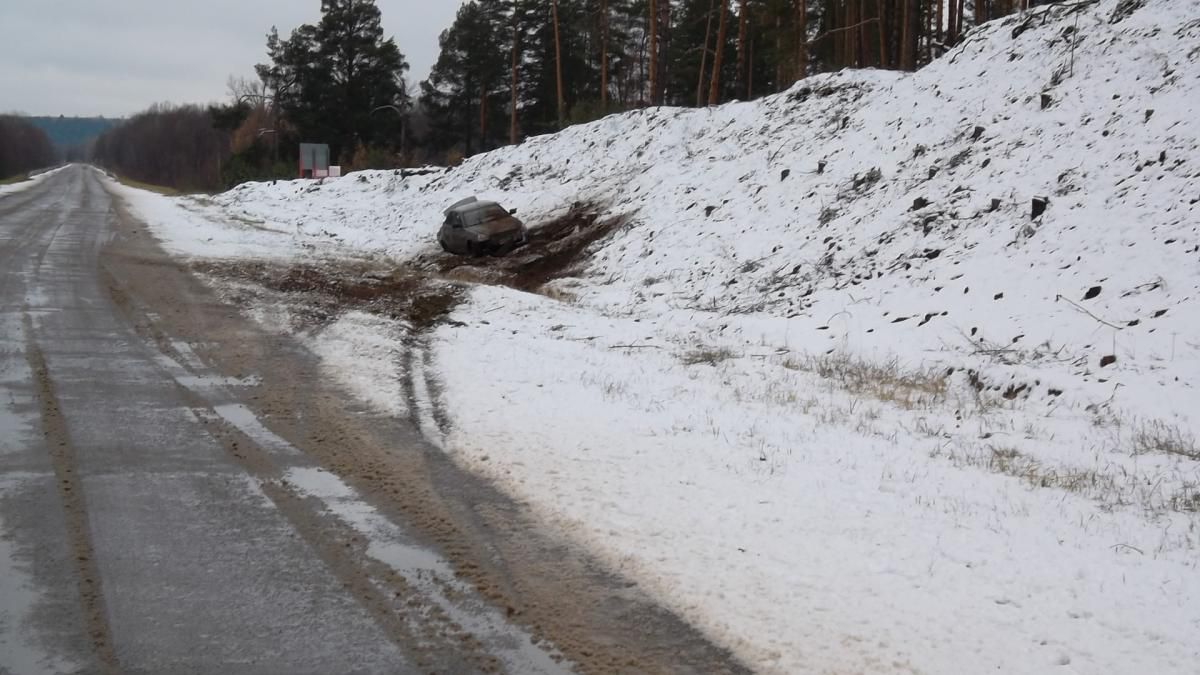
[833, 392]
[28, 183]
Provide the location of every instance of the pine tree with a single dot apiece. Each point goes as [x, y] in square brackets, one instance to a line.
[329, 79]
[464, 95]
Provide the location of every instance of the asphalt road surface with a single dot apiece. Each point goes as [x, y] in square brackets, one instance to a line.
[179, 494]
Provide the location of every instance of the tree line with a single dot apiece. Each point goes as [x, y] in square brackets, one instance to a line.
[512, 68]
[23, 147]
[509, 69]
[169, 145]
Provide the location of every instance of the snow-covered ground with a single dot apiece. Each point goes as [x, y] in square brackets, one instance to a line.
[831, 392]
[23, 185]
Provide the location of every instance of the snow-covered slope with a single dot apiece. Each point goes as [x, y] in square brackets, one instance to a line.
[832, 391]
[918, 229]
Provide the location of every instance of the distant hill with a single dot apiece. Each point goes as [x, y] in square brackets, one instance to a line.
[67, 132]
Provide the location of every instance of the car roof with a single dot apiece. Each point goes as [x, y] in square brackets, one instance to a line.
[476, 206]
[465, 206]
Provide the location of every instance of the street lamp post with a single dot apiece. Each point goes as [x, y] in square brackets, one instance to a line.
[274, 146]
[403, 120]
[263, 99]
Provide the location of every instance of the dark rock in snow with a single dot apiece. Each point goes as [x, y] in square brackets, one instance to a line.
[1092, 292]
[1106, 361]
[1124, 10]
[1039, 206]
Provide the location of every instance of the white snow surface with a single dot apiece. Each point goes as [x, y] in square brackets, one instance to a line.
[33, 180]
[837, 428]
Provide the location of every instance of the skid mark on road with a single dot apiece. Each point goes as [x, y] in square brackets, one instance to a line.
[428, 574]
[20, 650]
[410, 590]
[70, 488]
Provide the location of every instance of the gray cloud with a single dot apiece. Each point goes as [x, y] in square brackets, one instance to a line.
[115, 57]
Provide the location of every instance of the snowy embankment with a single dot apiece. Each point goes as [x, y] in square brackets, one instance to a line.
[832, 392]
[32, 180]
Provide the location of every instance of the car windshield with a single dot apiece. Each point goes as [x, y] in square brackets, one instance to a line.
[483, 215]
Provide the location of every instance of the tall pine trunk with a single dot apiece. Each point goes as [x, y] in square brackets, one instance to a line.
[704, 53]
[952, 22]
[864, 42]
[468, 123]
[939, 31]
[750, 70]
[802, 39]
[483, 97]
[740, 83]
[882, 26]
[778, 53]
[603, 56]
[714, 89]
[929, 31]
[562, 105]
[664, 46]
[516, 53]
[653, 31]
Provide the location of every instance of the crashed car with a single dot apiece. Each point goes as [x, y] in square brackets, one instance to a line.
[474, 227]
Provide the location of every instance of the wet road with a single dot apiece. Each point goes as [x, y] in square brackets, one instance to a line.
[136, 536]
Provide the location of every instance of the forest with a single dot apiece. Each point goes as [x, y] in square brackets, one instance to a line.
[23, 147]
[510, 69]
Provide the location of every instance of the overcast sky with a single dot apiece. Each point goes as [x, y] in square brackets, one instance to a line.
[116, 57]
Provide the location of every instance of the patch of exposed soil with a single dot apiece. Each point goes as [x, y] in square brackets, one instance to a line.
[332, 288]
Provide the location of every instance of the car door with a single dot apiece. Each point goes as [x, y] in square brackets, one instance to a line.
[455, 235]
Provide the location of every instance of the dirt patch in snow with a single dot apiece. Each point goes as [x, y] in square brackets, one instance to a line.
[332, 288]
